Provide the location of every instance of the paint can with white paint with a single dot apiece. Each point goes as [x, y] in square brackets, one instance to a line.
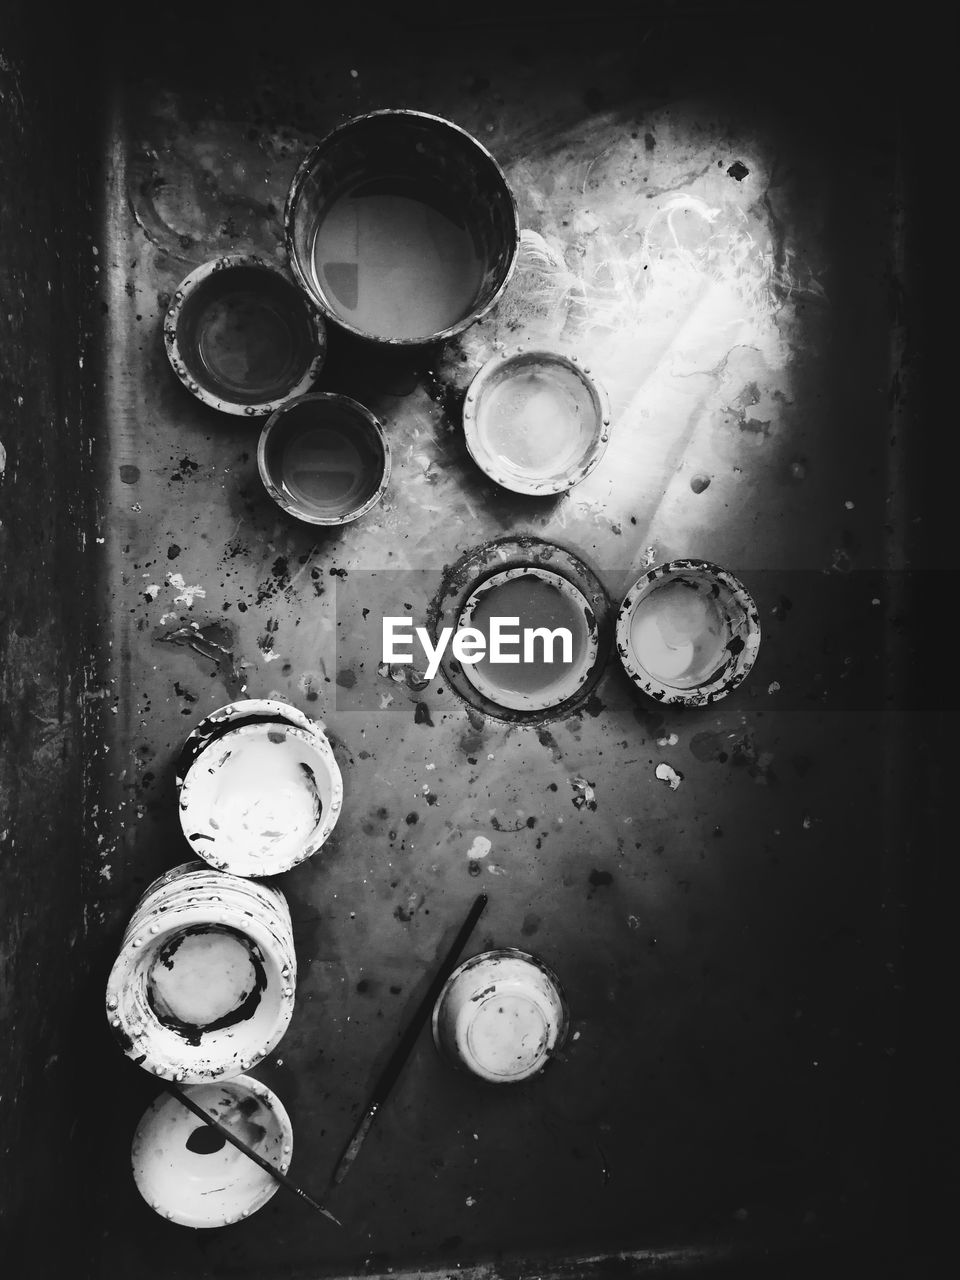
[536, 422]
[189, 1173]
[688, 632]
[261, 790]
[501, 1015]
[203, 985]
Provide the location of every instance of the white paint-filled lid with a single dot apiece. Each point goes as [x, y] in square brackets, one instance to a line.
[260, 798]
[190, 1174]
[501, 1015]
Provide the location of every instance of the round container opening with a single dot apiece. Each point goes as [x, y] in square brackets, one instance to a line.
[401, 227]
[543, 657]
[324, 459]
[501, 1015]
[205, 978]
[535, 423]
[677, 634]
[204, 982]
[244, 336]
[507, 1035]
[261, 798]
[688, 632]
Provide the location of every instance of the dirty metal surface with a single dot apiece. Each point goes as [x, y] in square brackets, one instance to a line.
[727, 933]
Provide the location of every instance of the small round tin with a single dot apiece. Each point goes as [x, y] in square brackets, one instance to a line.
[324, 459]
[536, 422]
[261, 797]
[502, 1015]
[688, 632]
[540, 600]
[242, 337]
[189, 1173]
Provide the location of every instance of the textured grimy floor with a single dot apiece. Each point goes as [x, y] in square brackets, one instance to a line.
[720, 257]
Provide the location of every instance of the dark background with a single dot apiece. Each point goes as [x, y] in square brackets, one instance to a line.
[55, 81]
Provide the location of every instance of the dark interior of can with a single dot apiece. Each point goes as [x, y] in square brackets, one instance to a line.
[324, 457]
[245, 334]
[422, 154]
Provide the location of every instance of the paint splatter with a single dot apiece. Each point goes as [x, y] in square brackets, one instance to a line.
[407, 910]
[421, 714]
[666, 773]
[738, 170]
[584, 796]
[186, 595]
[531, 923]
[479, 849]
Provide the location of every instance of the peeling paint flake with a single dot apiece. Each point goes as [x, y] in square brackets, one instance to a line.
[666, 773]
[186, 595]
[479, 849]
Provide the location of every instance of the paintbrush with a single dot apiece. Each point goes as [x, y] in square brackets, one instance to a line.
[249, 1152]
[404, 1047]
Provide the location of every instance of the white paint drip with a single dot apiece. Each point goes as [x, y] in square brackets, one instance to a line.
[3, 460]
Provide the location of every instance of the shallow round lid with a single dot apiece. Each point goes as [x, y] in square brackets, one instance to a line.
[260, 798]
[549, 669]
[188, 1173]
[536, 422]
